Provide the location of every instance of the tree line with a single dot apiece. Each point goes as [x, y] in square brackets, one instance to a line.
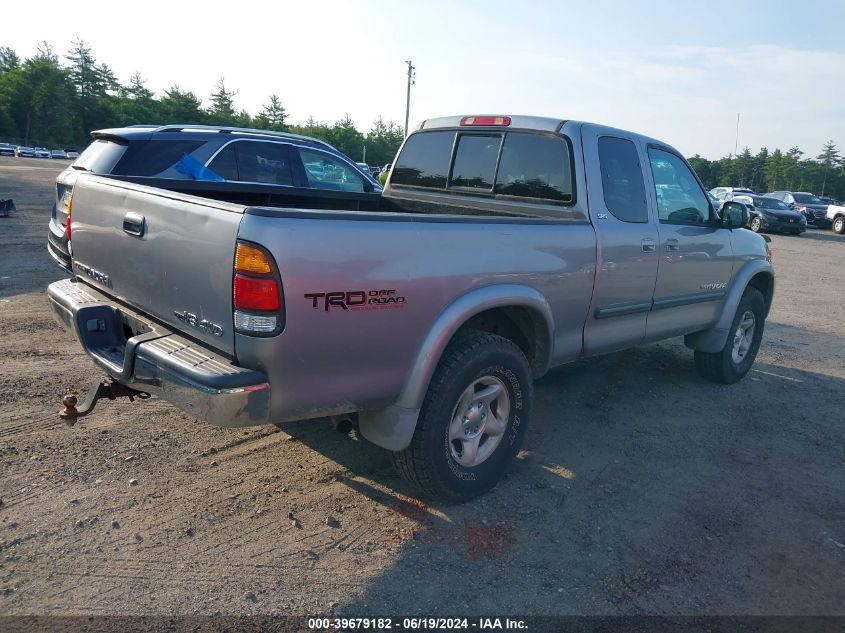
[55, 102]
[777, 171]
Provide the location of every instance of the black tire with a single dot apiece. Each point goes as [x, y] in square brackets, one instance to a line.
[839, 225]
[756, 224]
[720, 366]
[428, 463]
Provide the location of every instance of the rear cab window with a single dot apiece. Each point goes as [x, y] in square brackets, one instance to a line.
[424, 161]
[507, 165]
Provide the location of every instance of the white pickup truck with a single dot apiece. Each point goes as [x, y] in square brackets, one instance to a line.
[502, 246]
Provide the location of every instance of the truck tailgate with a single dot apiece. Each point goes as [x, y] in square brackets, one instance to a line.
[167, 254]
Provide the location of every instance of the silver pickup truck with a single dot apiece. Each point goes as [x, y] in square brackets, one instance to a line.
[502, 246]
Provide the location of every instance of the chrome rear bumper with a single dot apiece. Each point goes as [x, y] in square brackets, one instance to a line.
[144, 355]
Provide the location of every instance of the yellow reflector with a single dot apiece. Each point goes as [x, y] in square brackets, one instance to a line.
[249, 259]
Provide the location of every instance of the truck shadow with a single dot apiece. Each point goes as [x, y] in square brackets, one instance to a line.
[641, 488]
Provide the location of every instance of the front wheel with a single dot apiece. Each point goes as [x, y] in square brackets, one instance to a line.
[473, 418]
[756, 224]
[733, 361]
[839, 225]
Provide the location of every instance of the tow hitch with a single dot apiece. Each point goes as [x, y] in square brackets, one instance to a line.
[108, 388]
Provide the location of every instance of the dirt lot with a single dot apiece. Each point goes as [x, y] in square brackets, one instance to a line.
[642, 489]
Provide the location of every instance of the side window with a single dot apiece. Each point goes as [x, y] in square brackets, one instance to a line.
[622, 179]
[154, 157]
[680, 200]
[224, 164]
[264, 162]
[424, 160]
[535, 166]
[325, 172]
[475, 161]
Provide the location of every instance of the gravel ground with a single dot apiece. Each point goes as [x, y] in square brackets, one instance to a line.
[642, 489]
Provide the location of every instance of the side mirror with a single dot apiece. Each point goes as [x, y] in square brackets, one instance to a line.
[734, 215]
[791, 205]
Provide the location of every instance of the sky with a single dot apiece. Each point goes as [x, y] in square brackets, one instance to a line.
[678, 71]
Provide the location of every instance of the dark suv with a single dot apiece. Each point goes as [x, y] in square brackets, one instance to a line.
[234, 164]
[811, 207]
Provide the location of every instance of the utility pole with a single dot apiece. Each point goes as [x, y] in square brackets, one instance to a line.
[364, 159]
[736, 142]
[411, 81]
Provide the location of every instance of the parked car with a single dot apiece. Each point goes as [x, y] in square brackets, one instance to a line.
[719, 190]
[836, 216]
[812, 207]
[58, 153]
[730, 195]
[365, 169]
[248, 166]
[714, 200]
[770, 214]
[7, 150]
[42, 152]
[72, 153]
[502, 246]
[23, 151]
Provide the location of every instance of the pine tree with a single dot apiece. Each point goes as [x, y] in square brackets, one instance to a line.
[829, 158]
[273, 116]
[222, 109]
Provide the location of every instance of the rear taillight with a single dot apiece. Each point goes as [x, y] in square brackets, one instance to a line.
[257, 296]
[67, 220]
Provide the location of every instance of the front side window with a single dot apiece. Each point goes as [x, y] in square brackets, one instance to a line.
[424, 160]
[535, 166]
[326, 172]
[475, 161]
[680, 200]
[622, 179]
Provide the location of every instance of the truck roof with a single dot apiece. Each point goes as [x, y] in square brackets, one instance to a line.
[525, 122]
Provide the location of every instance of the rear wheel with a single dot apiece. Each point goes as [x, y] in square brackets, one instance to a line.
[734, 360]
[472, 421]
[756, 224]
[839, 225]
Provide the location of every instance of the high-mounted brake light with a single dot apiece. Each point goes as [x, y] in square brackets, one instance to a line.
[486, 120]
[251, 259]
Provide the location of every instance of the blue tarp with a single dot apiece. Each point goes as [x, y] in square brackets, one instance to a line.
[190, 166]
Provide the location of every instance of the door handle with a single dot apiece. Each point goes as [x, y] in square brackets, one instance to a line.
[134, 224]
[672, 245]
[647, 245]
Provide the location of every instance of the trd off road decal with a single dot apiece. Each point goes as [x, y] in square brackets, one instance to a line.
[355, 300]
